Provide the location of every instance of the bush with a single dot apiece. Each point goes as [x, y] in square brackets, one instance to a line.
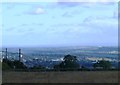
[102, 64]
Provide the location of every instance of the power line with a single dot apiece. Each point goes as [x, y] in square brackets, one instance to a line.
[18, 54]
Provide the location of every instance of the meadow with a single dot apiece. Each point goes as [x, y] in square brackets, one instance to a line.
[60, 77]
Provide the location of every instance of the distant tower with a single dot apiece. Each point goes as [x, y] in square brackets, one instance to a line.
[19, 54]
[6, 53]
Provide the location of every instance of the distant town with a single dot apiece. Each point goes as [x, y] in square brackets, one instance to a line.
[49, 62]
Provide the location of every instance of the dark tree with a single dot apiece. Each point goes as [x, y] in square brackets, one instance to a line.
[7, 64]
[38, 67]
[70, 63]
[18, 65]
[102, 64]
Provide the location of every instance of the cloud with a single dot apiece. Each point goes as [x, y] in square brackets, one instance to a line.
[115, 14]
[9, 6]
[85, 3]
[91, 25]
[37, 11]
[69, 4]
[88, 1]
[66, 14]
[99, 18]
[10, 29]
[23, 28]
[72, 13]
[15, 27]
[102, 25]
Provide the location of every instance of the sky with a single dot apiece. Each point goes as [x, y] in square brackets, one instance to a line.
[59, 23]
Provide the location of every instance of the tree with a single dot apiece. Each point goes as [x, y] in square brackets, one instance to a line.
[38, 68]
[84, 68]
[7, 64]
[18, 65]
[69, 62]
[103, 64]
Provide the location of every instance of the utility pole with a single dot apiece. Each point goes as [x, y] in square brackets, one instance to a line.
[19, 54]
[6, 53]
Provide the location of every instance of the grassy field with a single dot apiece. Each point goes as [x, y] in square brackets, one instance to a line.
[61, 77]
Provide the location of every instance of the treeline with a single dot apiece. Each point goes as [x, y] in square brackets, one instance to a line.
[69, 63]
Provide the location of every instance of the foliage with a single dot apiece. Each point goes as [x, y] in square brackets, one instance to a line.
[84, 68]
[38, 67]
[69, 63]
[7, 64]
[102, 64]
[18, 65]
